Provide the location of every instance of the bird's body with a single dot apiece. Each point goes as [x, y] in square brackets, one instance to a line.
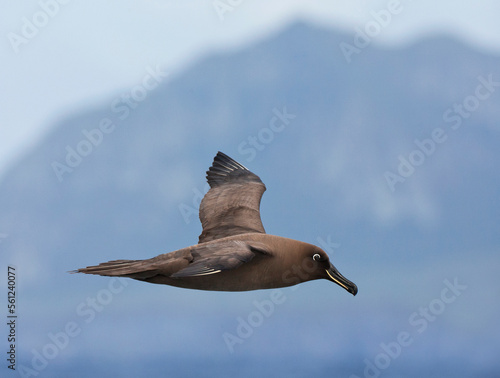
[233, 253]
[261, 262]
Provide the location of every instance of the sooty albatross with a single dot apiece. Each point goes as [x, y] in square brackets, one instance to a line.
[233, 253]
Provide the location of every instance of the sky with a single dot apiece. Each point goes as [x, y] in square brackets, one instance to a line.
[61, 56]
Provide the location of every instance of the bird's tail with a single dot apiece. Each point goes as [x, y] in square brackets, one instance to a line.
[121, 268]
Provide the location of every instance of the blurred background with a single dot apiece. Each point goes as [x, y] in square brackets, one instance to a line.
[373, 124]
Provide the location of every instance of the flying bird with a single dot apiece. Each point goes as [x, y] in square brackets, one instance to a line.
[233, 253]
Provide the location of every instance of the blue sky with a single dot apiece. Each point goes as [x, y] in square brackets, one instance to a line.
[82, 53]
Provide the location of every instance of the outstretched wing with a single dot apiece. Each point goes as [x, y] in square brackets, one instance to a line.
[232, 205]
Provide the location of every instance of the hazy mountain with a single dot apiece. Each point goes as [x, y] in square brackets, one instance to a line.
[392, 157]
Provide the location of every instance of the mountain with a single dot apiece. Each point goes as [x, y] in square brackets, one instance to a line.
[388, 161]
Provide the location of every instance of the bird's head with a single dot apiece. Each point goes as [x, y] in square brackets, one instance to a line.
[315, 264]
[328, 271]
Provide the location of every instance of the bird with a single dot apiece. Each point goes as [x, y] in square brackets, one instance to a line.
[234, 252]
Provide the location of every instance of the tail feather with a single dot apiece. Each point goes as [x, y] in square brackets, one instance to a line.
[162, 265]
[123, 268]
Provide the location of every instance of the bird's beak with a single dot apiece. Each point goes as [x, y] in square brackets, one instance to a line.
[339, 279]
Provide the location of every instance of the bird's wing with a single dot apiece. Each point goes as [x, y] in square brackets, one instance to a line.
[231, 206]
[211, 258]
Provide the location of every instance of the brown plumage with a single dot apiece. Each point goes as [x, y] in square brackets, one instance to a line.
[233, 252]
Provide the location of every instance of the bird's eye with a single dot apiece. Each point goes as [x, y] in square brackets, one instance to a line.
[316, 257]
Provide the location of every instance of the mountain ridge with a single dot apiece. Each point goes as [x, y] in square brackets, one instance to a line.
[348, 128]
